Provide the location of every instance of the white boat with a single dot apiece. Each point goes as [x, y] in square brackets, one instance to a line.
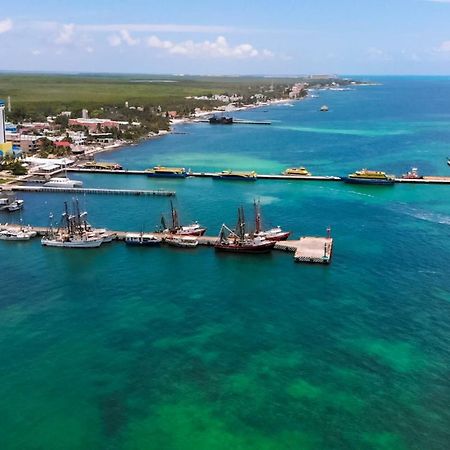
[16, 235]
[103, 233]
[63, 182]
[181, 241]
[16, 205]
[142, 239]
[72, 241]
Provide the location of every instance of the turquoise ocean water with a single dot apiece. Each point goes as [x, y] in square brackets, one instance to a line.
[129, 348]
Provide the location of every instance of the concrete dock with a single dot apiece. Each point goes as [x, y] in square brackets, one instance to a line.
[97, 191]
[307, 249]
[424, 180]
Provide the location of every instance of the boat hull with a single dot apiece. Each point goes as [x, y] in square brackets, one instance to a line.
[236, 177]
[367, 181]
[234, 248]
[276, 237]
[143, 243]
[94, 243]
[167, 175]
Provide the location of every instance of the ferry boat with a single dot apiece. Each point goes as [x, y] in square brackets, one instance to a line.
[142, 239]
[194, 229]
[297, 171]
[99, 165]
[272, 234]
[366, 176]
[238, 241]
[167, 172]
[232, 175]
[63, 182]
[181, 241]
[221, 120]
[413, 174]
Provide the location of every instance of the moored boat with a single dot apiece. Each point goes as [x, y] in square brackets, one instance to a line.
[181, 241]
[297, 171]
[238, 241]
[193, 229]
[72, 231]
[11, 234]
[234, 175]
[324, 108]
[167, 172]
[100, 165]
[142, 239]
[16, 205]
[413, 174]
[271, 234]
[63, 182]
[366, 176]
[222, 120]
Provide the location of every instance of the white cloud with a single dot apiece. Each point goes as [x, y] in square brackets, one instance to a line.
[158, 28]
[89, 49]
[5, 25]
[439, 1]
[65, 35]
[124, 36]
[36, 52]
[220, 48]
[444, 47]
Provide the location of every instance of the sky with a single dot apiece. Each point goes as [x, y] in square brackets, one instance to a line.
[283, 37]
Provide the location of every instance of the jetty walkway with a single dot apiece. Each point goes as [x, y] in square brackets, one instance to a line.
[307, 249]
[98, 191]
[424, 180]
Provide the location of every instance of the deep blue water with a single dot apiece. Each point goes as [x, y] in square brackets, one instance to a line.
[158, 348]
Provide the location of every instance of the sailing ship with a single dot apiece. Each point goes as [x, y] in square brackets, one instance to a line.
[238, 241]
[72, 231]
[193, 229]
[272, 234]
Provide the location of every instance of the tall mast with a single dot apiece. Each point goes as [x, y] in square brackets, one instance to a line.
[257, 216]
[175, 223]
[66, 214]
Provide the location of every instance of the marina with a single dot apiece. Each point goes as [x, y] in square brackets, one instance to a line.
[307, 249]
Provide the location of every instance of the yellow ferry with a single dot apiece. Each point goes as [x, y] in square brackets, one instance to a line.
[231, 175]
[297, 171]
[160, 171]
[100, 165]
[366, 176]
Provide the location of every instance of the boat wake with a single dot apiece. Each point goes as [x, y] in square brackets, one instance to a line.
[425, 215]
[264, 199]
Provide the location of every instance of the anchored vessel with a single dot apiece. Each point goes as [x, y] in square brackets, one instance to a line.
[181, 241]
[238, 241]
[102, 165]
[413, 174]
[10, 203]
[324, 108]
[220, 120]
[142, 239]
[232, 175]
[296, 171]
[63, 182]
[14, 234]
[193, 229]
[167, 172]
[272, 234]
[74, 231]
[366, 176]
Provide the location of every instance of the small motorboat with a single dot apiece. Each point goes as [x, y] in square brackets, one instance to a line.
[142, 239]
[181, 241]
[16, 205]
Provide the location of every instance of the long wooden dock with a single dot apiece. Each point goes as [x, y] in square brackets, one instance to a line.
[307, 249]
[98, 191]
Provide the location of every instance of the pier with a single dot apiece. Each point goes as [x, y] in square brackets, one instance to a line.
[307, 249]
[241, 122]
[98, 191]
[424, 180]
